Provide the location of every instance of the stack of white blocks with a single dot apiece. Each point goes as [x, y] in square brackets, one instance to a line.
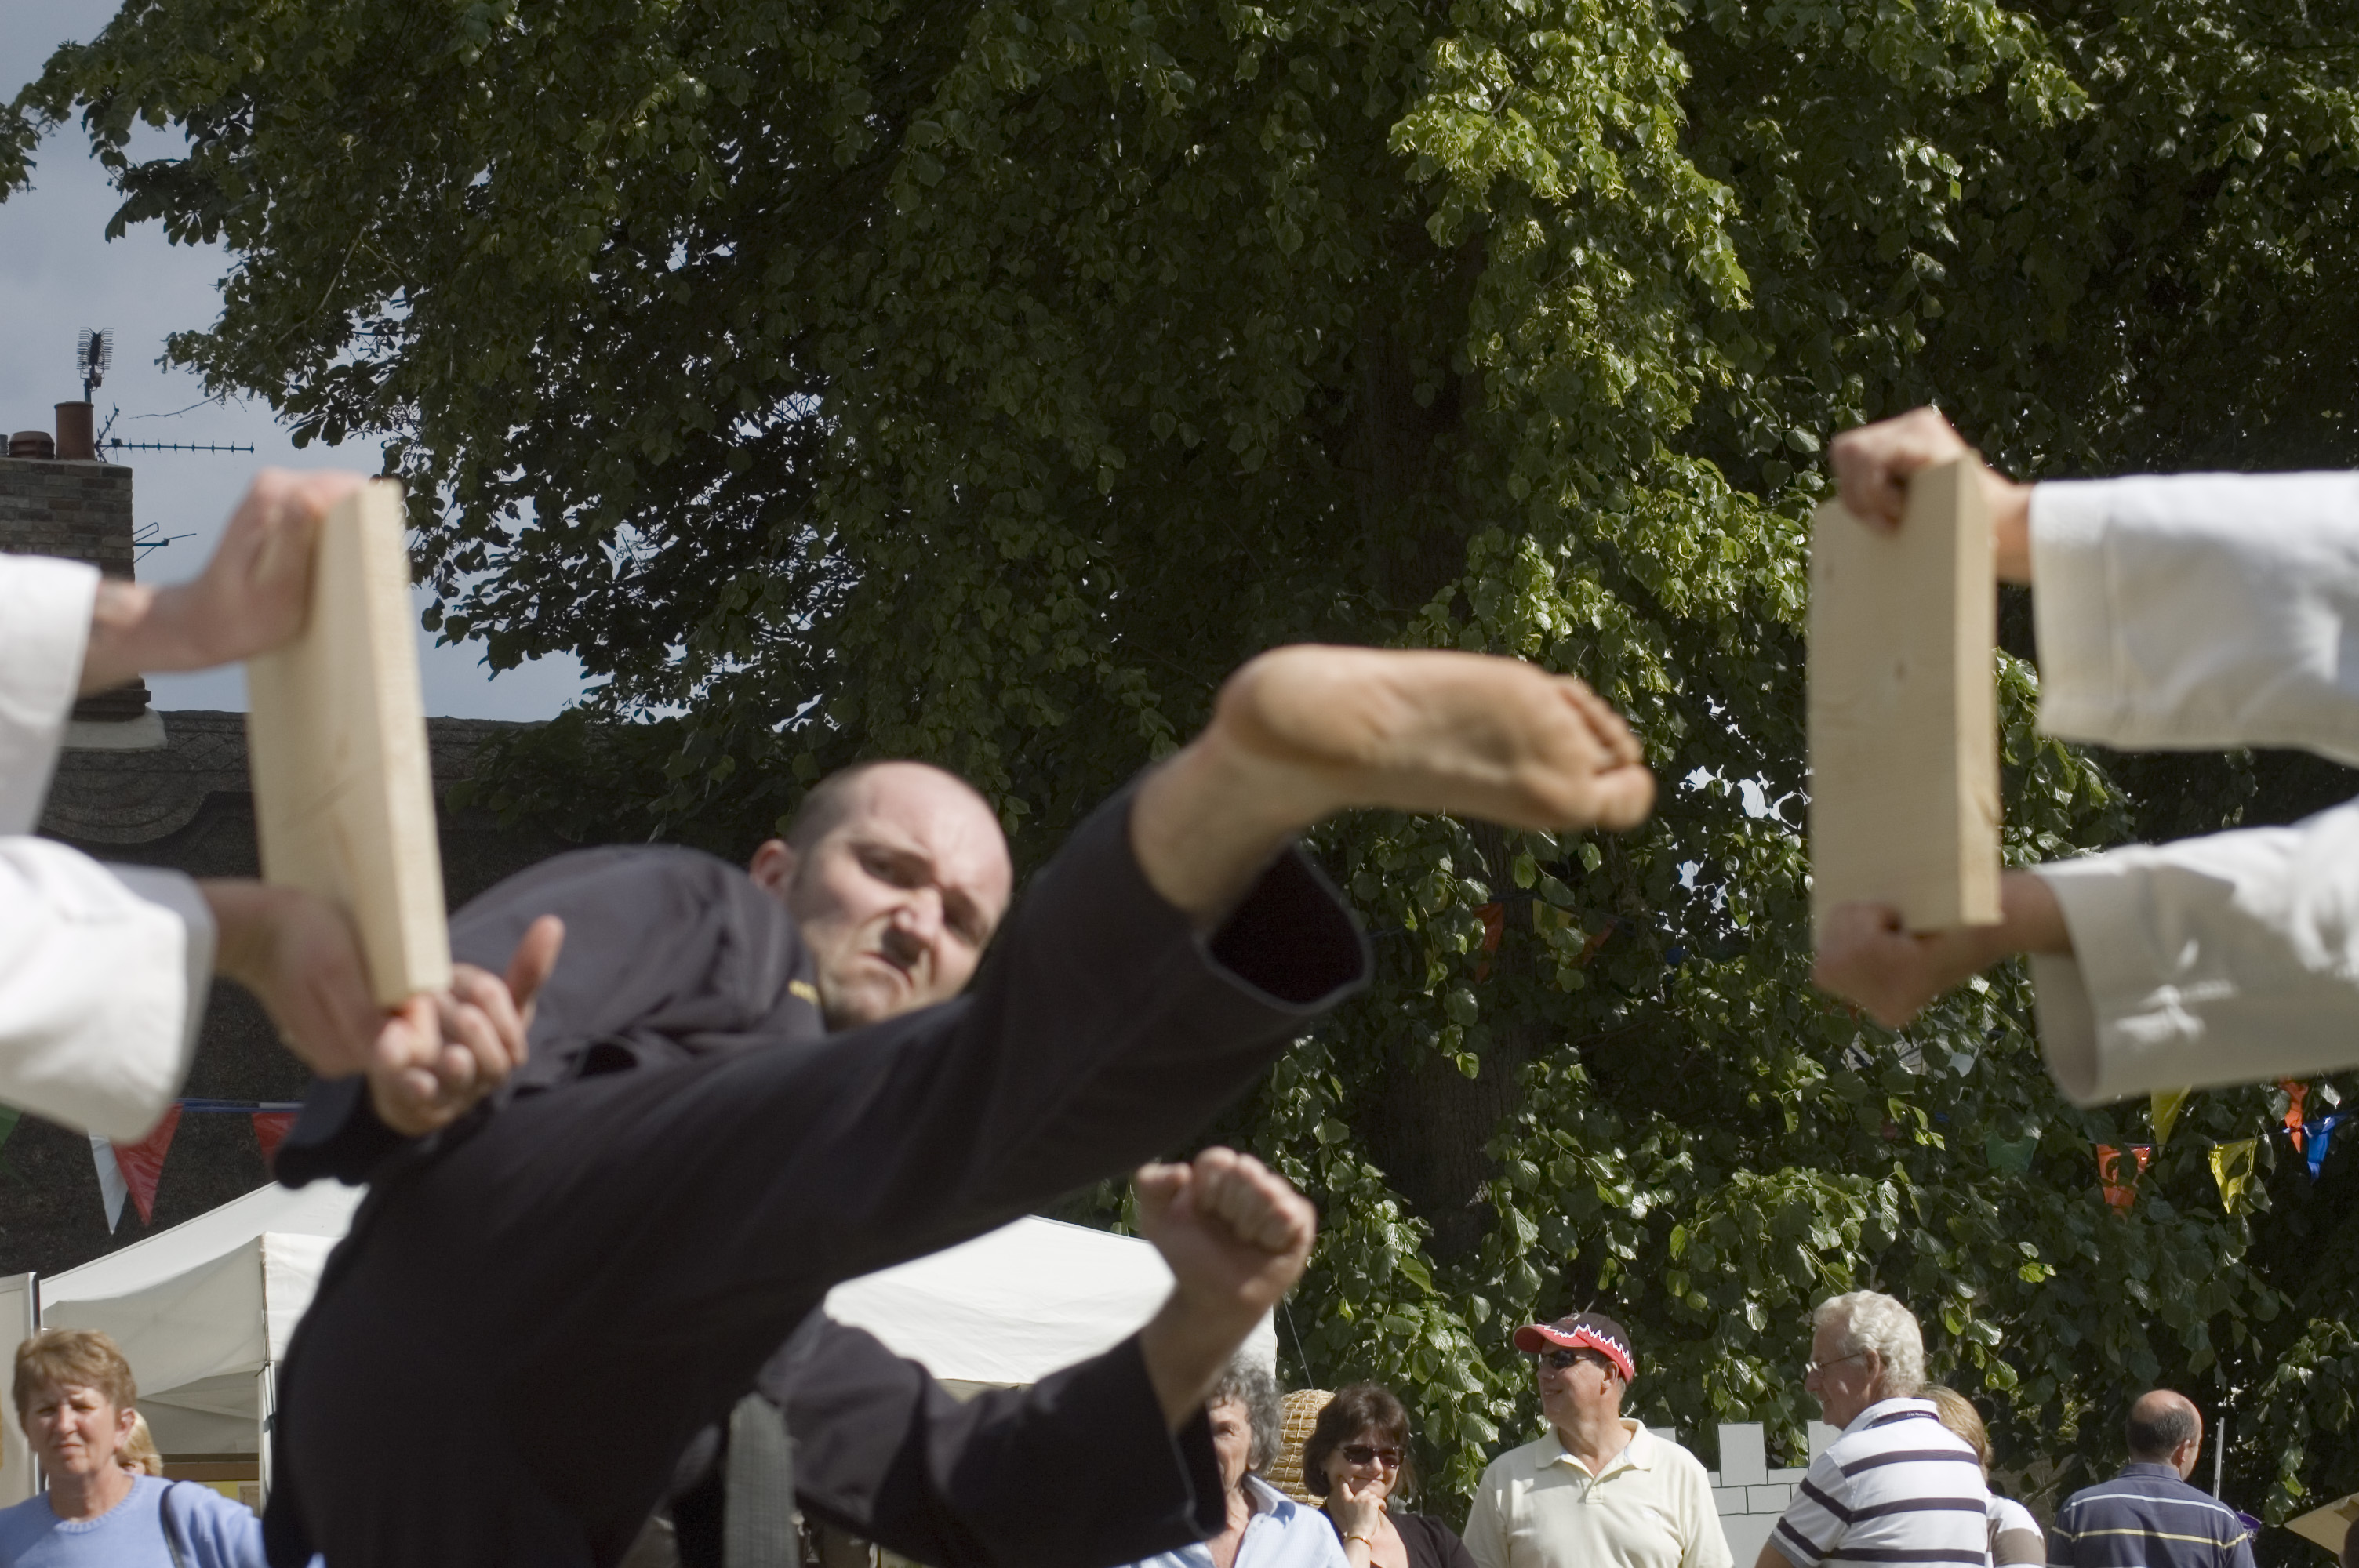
[1750, 1495]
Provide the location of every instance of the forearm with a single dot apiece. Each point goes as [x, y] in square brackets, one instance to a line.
[1864, 956]
[2009, 504]
[247, 917]
[901, 1462]
[133, 627]
[1186, 1346]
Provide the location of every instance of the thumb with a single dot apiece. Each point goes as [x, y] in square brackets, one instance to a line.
[1159, 1187]
[534, 960]
[1621, 797]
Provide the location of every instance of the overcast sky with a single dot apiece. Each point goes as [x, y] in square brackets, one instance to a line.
[58, 274]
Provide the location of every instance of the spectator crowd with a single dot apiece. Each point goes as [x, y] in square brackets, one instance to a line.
[1906, 1483]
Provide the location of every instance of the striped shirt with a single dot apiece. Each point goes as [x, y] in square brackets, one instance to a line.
[2147, 1518]
[1896, 1486]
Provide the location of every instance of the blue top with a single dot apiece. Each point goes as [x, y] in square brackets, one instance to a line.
[215, 1532]
[1282, 1533]
[2147, 1518]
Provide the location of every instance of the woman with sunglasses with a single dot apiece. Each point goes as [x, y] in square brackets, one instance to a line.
[1356, 1457]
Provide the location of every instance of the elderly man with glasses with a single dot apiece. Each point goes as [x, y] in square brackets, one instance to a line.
[1897, 1485]
[1598, 1490]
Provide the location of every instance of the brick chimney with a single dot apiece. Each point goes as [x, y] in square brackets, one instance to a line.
[80, 509]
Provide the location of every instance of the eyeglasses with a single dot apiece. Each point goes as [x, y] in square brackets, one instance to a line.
[1564, 1356]
[1361, 1454]
[1812, 1369]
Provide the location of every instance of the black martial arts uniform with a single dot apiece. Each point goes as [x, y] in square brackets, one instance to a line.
[536, 1310]
[1077, 1471]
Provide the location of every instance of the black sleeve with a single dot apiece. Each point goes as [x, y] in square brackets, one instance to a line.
[661, 946]
[336, 1134]
[1078, 1471]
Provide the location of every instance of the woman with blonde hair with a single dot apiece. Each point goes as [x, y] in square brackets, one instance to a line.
[2015, 1535]
[138, 1452]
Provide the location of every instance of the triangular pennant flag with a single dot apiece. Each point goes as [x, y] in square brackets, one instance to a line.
[2121, 1186]
[110, 1190]
[2231, 1167]
[270, 1131]
[2321, 1134]
[2295, 1094]
[1493, 917]
[2011, 1155]
[142, 1164]
[2165, 1112]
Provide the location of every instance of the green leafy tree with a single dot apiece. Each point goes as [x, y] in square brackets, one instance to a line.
[981, 383]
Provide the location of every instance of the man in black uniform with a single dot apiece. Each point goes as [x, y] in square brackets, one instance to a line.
[539, 1308]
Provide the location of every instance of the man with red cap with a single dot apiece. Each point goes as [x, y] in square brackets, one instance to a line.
[1598, 1490]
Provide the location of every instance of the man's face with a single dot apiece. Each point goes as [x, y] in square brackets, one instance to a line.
[1570, 1395]
[75, 1430]
[1231, 1440]
[897, 898]
[1843, 1380]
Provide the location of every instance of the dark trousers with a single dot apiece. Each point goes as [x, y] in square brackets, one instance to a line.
[527, 1328]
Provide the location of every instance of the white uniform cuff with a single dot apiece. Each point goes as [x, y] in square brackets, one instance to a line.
[179, 894]
[44, 607]
[2072, 610]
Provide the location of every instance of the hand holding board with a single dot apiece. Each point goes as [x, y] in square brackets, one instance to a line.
[343, 786]
[1904, 706]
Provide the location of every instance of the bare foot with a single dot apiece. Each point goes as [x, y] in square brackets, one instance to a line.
[1300, 733]
[1418, 730]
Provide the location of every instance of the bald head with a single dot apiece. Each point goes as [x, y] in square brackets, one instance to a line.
[2165, 1428]
[897, 874]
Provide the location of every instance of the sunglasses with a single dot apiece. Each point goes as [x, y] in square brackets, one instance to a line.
[1564, 1356]
[1361, 1454]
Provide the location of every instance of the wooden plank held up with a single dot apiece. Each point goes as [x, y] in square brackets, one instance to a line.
[343, 786]
[1904, 706]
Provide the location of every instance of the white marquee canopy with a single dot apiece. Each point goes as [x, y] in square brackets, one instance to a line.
[204, 1309]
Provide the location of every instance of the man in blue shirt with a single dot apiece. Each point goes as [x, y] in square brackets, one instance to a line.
[74, 1396]
[2149, 1516]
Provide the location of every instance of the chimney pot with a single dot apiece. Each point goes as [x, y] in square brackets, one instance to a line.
[32, 444]
[76, 441]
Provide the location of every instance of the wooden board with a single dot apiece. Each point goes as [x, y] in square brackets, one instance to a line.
[1904, 706]
[343, 786]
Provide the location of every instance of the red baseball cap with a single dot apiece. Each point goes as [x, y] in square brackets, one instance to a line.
[1581, 1331]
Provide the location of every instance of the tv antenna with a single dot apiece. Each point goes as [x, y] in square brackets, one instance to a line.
[91, 357]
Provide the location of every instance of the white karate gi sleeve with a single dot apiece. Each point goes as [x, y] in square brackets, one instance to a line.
[103, 970]
[2203, 612]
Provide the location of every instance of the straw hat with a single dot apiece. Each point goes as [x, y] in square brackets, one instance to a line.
[1302, 1408]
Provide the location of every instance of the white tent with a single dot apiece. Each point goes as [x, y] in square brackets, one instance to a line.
[204, 1310]
[201, 1309]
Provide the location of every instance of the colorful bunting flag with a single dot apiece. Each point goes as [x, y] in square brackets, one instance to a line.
[270, 1131]
[110, 1190]
[142, 1165]
[2295, 1094]
[1493, 917]
[2164, 1113]
[2121, 1188]
[2321, 1134]
[2012, 1155]
[2231, 1167]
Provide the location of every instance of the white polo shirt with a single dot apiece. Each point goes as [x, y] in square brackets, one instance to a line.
[1539, 1506]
